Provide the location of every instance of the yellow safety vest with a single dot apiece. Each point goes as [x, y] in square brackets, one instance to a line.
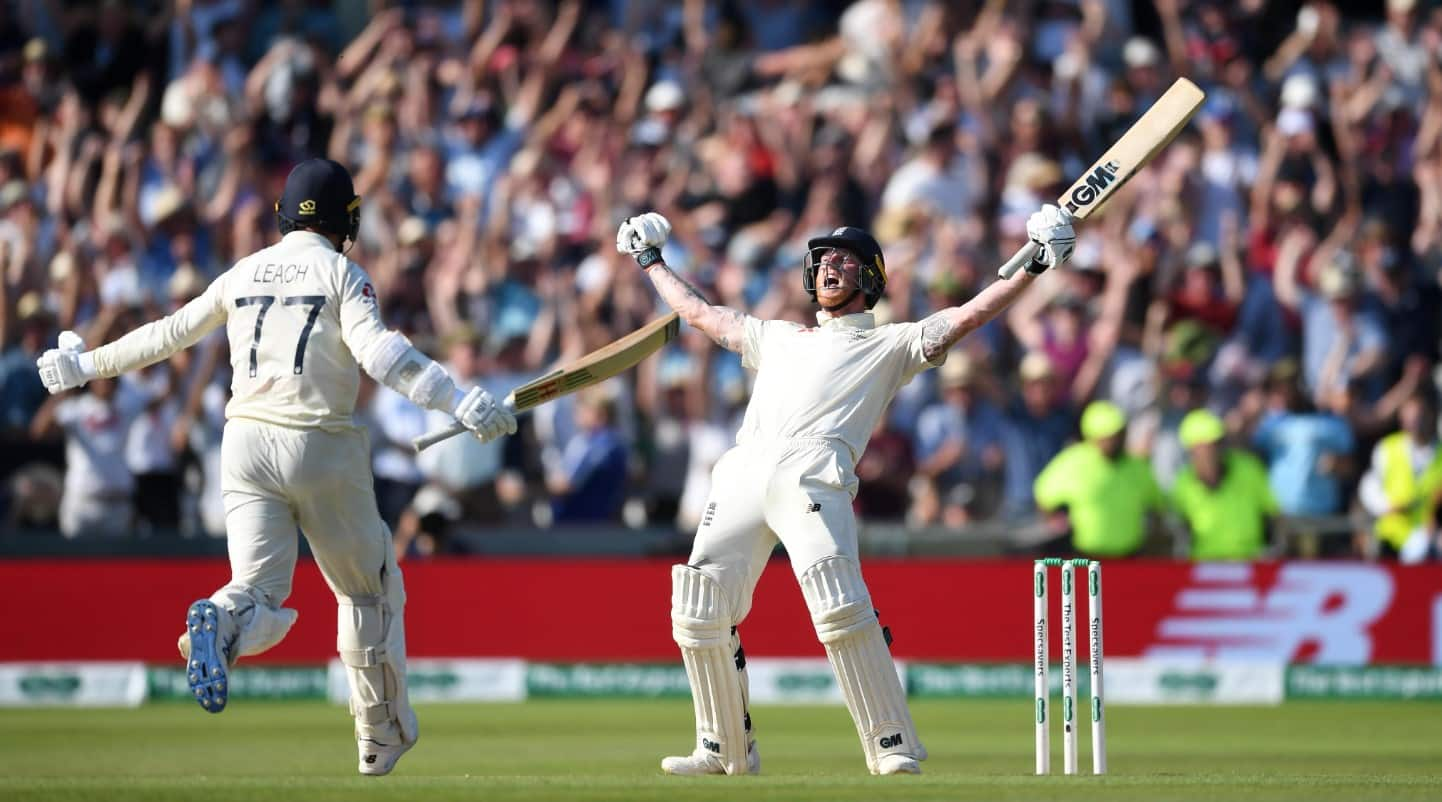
[1405, 490]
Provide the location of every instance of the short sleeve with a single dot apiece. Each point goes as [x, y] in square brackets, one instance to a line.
[912, 341]
[752, 341]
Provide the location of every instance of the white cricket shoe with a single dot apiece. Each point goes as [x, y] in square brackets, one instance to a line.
[897, 764]
[703, 762]
[377, 759]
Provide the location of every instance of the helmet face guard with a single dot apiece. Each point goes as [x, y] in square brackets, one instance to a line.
[853, 244]
[866, 280]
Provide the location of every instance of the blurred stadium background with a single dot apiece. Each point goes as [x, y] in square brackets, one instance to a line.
[1278, 265]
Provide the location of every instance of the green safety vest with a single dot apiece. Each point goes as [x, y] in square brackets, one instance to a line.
[1106, 500]
[1406, 490]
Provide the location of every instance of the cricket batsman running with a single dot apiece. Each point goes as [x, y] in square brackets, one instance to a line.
[791, 476]
[301, 319]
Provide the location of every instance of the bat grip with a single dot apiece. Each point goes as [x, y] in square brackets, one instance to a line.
[429, 439]
[444, 433]
[1018, 260]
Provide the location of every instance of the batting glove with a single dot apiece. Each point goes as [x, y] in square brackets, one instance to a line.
[1051, 229]
[487, 420]
[642, 237]
[60, 368]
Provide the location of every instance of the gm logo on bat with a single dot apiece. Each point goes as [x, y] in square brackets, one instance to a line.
[1100, 179]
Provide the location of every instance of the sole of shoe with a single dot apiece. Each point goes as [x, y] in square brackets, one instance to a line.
[205, 670]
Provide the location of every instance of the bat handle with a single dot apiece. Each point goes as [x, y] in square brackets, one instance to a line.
[1018, 260]
[444, 433]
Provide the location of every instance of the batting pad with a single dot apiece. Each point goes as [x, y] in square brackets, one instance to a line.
[701, 625]
[846, 624]
[371, 639]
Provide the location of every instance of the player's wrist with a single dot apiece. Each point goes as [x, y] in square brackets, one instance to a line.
[648, 258]
[86, 362]
[457, 396]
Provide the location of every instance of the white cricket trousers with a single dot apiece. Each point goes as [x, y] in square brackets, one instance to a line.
[278, 482]
[797, 492]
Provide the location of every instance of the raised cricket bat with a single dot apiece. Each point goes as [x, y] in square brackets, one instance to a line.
[1161, 123]
[593, 368]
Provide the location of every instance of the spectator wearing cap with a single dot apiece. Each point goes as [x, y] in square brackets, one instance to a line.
[1036, 426]
[1222, 494]
[1403, 485]
[1097, 491]
[958, 443]
[1342, 339]
[1307, 451]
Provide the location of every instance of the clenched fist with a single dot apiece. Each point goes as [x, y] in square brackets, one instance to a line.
[642, 237]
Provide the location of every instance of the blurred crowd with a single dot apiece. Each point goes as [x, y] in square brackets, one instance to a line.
[1278, 265]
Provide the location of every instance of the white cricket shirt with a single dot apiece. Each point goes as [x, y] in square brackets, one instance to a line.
[831, 381]
[294, 313]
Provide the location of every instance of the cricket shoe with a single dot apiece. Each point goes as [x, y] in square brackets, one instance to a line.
[206, 658]
[704, 762]
[377, 759]
[897, 764]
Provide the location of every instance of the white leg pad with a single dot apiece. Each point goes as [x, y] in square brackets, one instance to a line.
[370, 637]
[701, 625]
[846, 624]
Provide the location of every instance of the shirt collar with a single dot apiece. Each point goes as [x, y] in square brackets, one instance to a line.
[856, 320]
[311, 237]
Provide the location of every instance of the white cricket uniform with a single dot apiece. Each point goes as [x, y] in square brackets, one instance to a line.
[791, 476]
[292, 457]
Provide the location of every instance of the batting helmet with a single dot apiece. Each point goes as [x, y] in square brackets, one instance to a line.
[319, 195]
[870, 279]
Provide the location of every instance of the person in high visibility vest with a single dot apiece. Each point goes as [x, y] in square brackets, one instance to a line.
[1106, 492]
[1222, 494]
[1403, 484]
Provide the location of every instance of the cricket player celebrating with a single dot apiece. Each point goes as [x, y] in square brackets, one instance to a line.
[791, 476]
[301, 318]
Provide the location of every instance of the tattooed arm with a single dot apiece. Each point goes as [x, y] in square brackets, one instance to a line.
[942, 330]
[725, 326]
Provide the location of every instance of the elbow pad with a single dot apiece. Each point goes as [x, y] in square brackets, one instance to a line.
[394, 362]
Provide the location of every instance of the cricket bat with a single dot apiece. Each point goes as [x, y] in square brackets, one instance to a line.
[1158, 126]
[593, 368]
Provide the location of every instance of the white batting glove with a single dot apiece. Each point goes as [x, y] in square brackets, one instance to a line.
[60, 368]
[1051, 229]
[642, 237]
[486, 419]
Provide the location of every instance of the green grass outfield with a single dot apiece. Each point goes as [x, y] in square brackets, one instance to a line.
[608, 750]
